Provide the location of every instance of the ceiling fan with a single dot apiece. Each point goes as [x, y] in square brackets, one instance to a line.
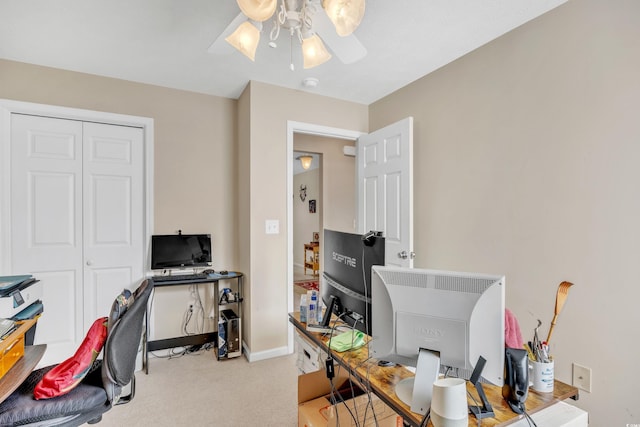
[311, 23]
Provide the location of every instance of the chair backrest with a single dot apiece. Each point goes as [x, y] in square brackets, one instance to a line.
[122, 344]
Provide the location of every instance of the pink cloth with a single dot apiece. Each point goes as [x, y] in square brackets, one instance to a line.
[512, 334]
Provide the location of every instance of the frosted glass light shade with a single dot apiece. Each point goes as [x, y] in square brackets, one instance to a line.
[258, 10]
[313, 52]
[305, 161]
[245, 38]
[345, 14]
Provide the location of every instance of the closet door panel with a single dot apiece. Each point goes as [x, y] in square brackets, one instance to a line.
[59, 294]
[113, 214]
[46, 218]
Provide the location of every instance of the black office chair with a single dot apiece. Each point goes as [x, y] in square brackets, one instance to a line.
[100, 390]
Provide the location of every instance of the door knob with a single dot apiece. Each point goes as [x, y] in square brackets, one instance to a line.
[89, 262]
[405, 255]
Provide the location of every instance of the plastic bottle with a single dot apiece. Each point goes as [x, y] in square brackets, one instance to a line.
[303, 308]
[312, 314]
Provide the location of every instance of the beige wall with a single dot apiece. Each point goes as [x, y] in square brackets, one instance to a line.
[194, 155]
[270, 109]
[526, 163]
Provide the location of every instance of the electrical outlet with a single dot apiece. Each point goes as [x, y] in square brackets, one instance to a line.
[582, 377]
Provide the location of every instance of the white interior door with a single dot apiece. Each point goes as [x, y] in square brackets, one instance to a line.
[77, 220]
[385, 188]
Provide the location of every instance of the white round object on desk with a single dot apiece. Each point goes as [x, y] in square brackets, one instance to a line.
[449, 403]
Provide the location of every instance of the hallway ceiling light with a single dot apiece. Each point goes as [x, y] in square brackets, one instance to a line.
[305, 161]
[296, 17]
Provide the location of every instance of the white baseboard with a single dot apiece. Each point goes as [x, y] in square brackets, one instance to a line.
[264, 355]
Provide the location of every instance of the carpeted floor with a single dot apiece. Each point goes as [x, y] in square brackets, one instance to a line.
[198, 390]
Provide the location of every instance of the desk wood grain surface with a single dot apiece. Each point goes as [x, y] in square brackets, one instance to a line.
[382, 381]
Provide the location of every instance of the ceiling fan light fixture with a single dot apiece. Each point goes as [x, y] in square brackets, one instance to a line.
[346, 15]
[314, 52]
[305, 161]
[258, 10]
[245, 38]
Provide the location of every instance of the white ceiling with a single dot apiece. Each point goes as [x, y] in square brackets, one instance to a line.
[165, 42]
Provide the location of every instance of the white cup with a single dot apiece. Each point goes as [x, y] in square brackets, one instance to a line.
[541, 375]
[449, 403]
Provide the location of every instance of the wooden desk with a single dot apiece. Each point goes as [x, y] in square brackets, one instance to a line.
[382, 381]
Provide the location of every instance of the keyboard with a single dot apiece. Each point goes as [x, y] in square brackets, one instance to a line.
[181, 278]
[6, 327]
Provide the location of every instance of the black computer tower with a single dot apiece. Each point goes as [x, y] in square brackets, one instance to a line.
[234, 334]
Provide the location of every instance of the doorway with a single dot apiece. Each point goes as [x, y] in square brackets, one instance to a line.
[336, 202]
[307, 217]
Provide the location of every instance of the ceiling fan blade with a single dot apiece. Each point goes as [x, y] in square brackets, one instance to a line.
[220, 46]
[348, 49]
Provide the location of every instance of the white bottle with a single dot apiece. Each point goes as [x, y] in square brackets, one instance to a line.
[312, 316]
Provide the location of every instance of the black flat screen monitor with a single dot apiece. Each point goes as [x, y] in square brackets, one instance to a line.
[180, 251]
[348, 259]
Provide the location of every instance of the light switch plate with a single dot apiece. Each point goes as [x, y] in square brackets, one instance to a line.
[272, 226]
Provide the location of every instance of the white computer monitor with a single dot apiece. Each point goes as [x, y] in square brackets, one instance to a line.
[437, 319]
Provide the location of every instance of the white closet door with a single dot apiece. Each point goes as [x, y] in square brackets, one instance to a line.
[46, 217]
[113, 214]
[77, 220]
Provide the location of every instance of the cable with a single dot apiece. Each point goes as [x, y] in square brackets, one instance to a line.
[334, 401]
[366, 292]
[329, 363]
[186, 318]
[426, 418]
[195, 294]
[530, 420]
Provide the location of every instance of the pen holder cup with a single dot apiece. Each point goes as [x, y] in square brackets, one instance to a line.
[541, 375]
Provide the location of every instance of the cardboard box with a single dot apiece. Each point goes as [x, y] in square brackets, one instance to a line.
[315, 408]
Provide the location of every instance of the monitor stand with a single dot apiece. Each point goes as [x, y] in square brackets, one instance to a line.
[417, 391]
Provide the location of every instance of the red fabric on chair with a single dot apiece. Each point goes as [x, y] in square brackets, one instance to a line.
[68, 374]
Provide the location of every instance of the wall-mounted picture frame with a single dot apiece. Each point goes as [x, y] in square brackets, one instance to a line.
[312, 206]
[303, 192]
[316, 236]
